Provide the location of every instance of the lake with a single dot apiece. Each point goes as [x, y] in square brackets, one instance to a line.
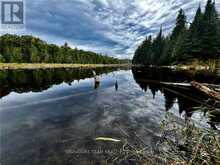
[53, 116]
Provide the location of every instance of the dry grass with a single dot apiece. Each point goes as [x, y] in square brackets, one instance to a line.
[189, 145]
[46, 65]
[179, 145]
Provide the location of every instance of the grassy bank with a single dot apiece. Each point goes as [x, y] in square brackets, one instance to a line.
[47, 66]
[195, 64]
[189, 66]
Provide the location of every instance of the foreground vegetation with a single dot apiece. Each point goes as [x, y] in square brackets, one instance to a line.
[29, 49]
[186, 44]
[178, 145]
[189, 144]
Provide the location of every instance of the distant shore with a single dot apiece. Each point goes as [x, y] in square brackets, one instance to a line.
[51, 66]
[4, 66]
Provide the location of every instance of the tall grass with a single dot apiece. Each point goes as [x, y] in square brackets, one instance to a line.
[178, 145]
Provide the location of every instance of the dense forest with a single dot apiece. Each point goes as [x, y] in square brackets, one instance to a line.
[198, 40]
[28, 49]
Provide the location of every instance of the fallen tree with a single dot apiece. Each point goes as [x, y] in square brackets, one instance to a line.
[213, 86]
[208, 91]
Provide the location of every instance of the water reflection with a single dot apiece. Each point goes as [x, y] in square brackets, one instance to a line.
[97, 85]
[41, 128]
[21, 81]
[186, 97]
[116, 85]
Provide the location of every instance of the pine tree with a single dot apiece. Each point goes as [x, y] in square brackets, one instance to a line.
[143, 52]
[200, 41]
[218, 51]
[158, 46]
[195, 35]
[210, 37]
[192, 42]
[166, 58]
[178, 36]
[180, 25]
[178, 53]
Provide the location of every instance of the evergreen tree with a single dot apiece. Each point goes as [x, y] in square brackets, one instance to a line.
[166, 58]
[178, 35]
[143, 54]
[201, 41]
[178, 52]
[180, 25]
[158, 46]
[193, 42]
[210, 37]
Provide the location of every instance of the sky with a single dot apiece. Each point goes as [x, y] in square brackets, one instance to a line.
[111, 27]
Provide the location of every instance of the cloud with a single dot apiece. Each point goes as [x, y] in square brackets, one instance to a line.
[113, 27]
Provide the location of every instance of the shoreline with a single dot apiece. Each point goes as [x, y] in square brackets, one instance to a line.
[14, 66]
[184, 67]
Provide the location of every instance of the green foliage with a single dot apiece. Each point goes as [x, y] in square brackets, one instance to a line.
[28, 49]
[158, 45]
[194, 37]
[210, 37]
[2, 58]
[141, 54]
[201, 40]
[180, 25]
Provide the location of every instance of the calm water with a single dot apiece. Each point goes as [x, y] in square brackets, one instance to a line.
[51, 117]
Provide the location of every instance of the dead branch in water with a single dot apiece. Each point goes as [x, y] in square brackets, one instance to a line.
[216, 88]
[205, 90]
[212, 89]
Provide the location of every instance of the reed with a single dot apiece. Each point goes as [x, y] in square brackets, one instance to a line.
[179, 145]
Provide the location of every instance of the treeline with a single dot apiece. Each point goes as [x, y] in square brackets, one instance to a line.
[28, 49]
[200, 40]
[41, 79]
